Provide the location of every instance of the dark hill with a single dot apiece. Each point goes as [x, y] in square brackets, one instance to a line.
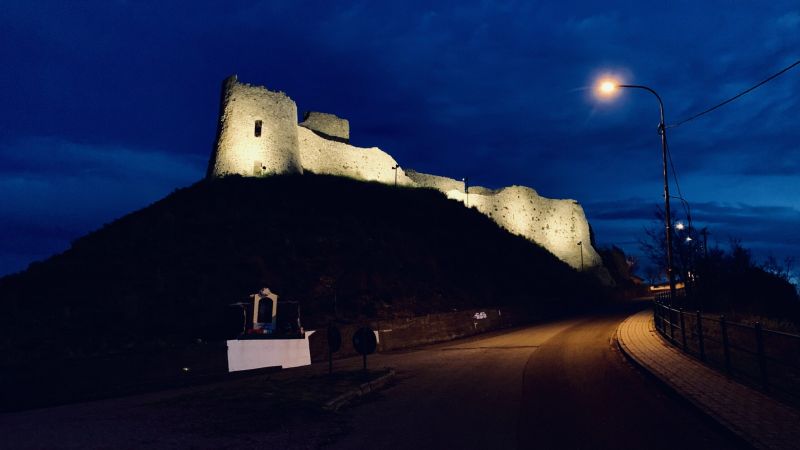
[167, 273]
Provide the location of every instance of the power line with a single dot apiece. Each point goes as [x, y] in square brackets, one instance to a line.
[765, 81]
[684, 203]
[706, 111]
[674, 173]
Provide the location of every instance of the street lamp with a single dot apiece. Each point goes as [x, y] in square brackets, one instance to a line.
[607, 88]
[686, 206]
[580, 244]
[466, 189]
[395, 167]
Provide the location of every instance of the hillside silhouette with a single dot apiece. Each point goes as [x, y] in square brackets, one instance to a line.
[167, 273]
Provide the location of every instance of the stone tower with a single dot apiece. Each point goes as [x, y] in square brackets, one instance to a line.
[256, 133]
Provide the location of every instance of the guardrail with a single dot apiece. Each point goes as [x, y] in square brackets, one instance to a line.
[767, 358]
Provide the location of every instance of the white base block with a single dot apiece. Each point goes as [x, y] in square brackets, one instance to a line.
[258, 353]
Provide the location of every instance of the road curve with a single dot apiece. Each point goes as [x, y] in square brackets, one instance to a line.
[555, 385]
[578, 392]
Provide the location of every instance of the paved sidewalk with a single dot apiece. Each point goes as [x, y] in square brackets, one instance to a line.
[762, 421]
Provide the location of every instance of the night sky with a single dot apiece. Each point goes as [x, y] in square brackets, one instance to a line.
[108, 106]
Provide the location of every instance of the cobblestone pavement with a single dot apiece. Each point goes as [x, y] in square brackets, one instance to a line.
[759, 419]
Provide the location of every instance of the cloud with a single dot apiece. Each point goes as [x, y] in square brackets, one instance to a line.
[765, 229]
[497, 91]
[56, 190]
[47, 157]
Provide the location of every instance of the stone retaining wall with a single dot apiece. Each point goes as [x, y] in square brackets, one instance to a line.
[411, 332]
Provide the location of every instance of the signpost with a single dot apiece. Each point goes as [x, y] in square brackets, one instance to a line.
[334, 344]
[365, 342]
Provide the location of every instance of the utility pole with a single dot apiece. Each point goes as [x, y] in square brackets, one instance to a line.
[662, 130]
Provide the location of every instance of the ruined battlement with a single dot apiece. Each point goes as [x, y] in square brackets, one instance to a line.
[443, 184]
[259, 134]
[486, 191]
[327, 125]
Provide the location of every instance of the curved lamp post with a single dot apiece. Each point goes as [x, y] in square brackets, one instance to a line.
[607, 88]
[688, 209]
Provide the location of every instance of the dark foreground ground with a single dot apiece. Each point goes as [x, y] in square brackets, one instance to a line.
[554, 385]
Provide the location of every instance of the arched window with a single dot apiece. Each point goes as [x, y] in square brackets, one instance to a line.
[258, 128]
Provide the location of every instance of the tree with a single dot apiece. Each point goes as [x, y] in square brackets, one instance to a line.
[620, 266]
[686, 247]
[783, 271]
[719, 280]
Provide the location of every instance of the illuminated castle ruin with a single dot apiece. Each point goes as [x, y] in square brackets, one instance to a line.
[258, 134]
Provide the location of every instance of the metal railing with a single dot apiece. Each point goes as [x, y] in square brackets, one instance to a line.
[766, 358]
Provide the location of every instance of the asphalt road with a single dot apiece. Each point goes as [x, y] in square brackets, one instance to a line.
[562, 384]
[558, 385]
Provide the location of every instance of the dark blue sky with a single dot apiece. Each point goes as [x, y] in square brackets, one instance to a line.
[108, 106]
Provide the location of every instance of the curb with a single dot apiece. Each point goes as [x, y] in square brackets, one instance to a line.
[360, 391]
[699, 406]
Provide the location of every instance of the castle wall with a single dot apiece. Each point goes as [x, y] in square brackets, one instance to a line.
[319, 145]
[443, 184]
[242, 148]
[327, 125]
[481, 190]
[323, 156]
[557, 225]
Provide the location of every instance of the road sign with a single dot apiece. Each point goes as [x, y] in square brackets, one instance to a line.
[364, 341]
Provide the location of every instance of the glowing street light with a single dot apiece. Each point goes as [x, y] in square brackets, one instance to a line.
[688, 209]
[607, 87]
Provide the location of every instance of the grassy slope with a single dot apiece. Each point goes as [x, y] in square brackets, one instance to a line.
[166, 273]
